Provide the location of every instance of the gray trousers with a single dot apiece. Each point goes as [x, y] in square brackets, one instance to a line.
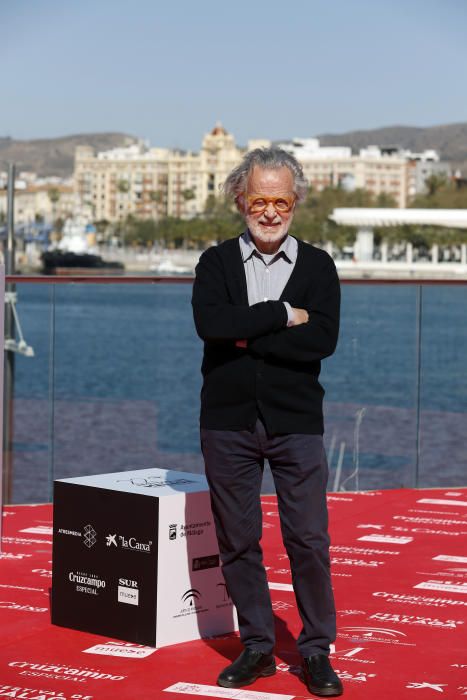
[234, 463]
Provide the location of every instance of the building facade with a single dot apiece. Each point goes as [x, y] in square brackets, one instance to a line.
[398, 173]
[40, 201]
[158, 182]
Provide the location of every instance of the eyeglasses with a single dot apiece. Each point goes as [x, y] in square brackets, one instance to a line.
[257, 203]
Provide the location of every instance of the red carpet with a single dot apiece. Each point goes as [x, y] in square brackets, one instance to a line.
[399, 566]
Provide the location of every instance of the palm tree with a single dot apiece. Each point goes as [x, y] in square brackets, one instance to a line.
[54, 195]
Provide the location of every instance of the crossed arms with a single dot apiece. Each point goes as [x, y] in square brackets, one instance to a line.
[264, 325]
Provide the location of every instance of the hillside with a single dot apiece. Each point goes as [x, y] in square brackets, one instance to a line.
[450, 140]
[54, 156]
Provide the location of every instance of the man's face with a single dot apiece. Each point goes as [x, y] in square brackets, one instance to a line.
[269, 224]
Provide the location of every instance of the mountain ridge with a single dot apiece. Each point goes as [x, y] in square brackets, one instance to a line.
[55, 156]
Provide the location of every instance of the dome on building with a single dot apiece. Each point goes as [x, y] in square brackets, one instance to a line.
[218, 130]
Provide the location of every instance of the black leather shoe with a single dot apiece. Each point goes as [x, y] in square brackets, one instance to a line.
[249, 666]
[320, 677]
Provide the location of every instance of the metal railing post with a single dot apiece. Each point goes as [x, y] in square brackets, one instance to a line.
[9, 363]
[418, 387]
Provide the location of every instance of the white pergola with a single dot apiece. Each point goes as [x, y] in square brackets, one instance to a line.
[365, 219]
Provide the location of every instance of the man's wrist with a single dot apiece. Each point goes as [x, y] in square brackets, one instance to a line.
[290, 314]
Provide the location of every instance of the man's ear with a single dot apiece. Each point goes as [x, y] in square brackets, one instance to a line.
[240, 203]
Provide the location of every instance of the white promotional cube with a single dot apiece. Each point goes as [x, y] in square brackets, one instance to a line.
[135, 557]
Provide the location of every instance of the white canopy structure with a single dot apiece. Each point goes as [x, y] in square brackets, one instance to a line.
[368, 218]
[365, 219]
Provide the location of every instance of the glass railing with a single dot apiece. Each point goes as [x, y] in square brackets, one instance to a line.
[115, 377]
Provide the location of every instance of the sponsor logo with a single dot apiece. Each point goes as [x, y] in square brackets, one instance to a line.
[415, 620]
[208, 562]
[121, 649]
[191, 529]
[433, 686]
[9, 691]
[359, 676]
[21, 588]
[213, 691]
[173, 531]
[429, 521]
[191, 595]
[356, 562]
[449, 586]
[361, 550]
[380, 635]
[62, 672]
[154, 482]
[281, 605]
[417, 599]
[128, 591]
[369, 526]
[276, 586]
[426, 510]
[226, 601]
[442, 502]
[192, 606]
[427, 531]
[23, 540]
[43, 573]
[73, 533]
[134, 545]
[352, 654]
[339, 498]
[128, 595]
[386, 539]
[9, 605]
[450, 558]
[445, 573]
[86, 583]
[128, 543]
[10, 555]
[349, 611]
[90, 536]
[39, 530]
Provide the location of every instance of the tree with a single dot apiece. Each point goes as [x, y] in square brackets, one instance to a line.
[435, 182]
[123, 186]
[54, 195]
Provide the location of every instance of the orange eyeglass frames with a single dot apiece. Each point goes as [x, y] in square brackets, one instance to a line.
[257, 203]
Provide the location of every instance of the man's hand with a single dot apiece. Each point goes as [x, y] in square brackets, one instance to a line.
[299, 316]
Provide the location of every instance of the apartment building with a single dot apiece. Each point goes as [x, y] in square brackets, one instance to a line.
[47, 201]
[157, 182]
[393, 171]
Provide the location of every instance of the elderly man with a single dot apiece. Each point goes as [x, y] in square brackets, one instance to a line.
[267, 307]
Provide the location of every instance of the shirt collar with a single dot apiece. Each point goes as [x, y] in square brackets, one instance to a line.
[287, 250]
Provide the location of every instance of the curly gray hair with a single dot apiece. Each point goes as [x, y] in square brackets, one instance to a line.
[269, 158]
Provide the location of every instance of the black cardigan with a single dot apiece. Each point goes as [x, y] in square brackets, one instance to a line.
[277, 374]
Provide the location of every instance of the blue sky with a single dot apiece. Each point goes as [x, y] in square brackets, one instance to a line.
[166, 71]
